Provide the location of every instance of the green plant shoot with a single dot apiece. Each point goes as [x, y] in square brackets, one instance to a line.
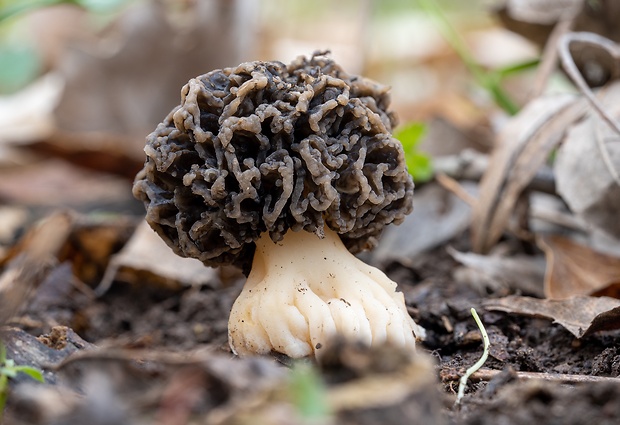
[9, 370]
[479, 363]
[308, 393]
[418, 163]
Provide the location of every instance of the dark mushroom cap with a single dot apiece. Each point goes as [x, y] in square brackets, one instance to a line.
[266, 147]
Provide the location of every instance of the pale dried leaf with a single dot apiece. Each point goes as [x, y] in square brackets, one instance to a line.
[519, 273]
[438, 216]
[541, 11]
[574, 269]
[581, 316]
[584, 179]
[146, 254]
[26, 116]
[523, 146]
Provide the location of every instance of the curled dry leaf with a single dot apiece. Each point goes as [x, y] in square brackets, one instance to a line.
[542, 12]
[588, 164]
[574, 269]
[523, 146]
[581, 316]
[539, 20]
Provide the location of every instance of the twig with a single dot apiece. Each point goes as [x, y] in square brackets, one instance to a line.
[573, 72]
[485, 374]
[121, 354]
[453, 186]
[550, 54]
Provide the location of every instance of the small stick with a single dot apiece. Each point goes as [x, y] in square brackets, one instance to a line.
[485, 374]
[550, 55]
[453, 186]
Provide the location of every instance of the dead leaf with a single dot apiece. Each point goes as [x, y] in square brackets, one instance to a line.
[584, 178]
[55, 183]
[146, 257]
[542, 11]
[438, 217]
[574, 269]
[520, 273]
[93, 241]
[26, 115]
[30, 261]
[523, 146]
[581, 316]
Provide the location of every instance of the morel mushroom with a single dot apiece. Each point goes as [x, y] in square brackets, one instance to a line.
[285, 171]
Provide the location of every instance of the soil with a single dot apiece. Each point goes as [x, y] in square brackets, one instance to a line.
[568, 380]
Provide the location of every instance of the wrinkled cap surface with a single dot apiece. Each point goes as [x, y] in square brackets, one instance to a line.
[266, 147]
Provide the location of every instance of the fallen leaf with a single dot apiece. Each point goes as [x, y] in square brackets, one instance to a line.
[585, 177]
[55, 183]
[523, 146]
[93, 241]
[438, 217]
[146, 257]
[581, 315]
[29, 262]
[520, 273]
[574, 269]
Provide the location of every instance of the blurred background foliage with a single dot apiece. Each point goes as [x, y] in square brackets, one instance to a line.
[117, 66]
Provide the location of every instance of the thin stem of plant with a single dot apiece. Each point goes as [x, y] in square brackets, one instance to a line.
[550, 55]
[479, 363]
[482, 77]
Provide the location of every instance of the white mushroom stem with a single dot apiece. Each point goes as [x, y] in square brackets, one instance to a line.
[303, 291]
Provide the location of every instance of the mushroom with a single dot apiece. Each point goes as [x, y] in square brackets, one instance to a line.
[285, 171]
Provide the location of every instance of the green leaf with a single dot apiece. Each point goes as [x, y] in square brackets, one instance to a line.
[19, 65]
[8, 371]
[516, 68]
[410, 135]
[34, 373]
[419, 164]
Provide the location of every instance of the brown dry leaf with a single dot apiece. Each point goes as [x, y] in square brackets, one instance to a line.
[55, 183]
[581, 316]
[523, 146]
[574, 269]
[93, 241]
[30, 261]
[146, 257]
